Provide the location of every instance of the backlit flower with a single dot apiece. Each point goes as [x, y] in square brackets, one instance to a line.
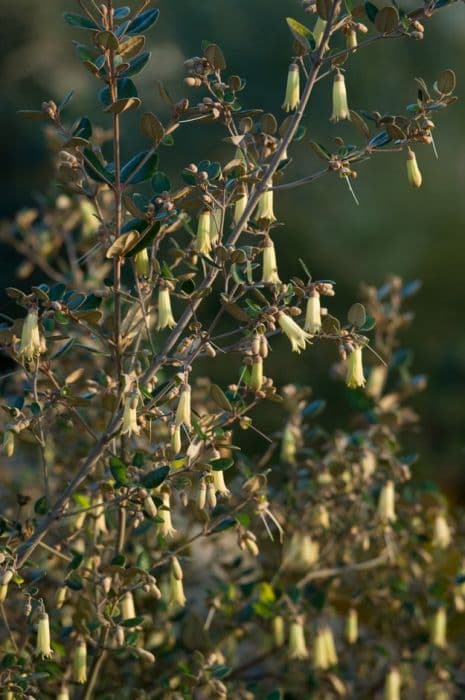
[297, 646]
[270, 267]
[292, 98]
[313, 314]
[413, 171]
[265, 207]
[165, 314]
[298, 337]
[340, 106]
[203, 241]
[355, 377]
[43, 648]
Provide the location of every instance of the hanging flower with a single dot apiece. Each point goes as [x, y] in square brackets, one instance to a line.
[352, 626]
[215, 225]
[340, 106]
[320, 656]
[60, 596]
[150, 507]
[265, 207]
[438, 635]
[392, 685]
[278, 631]
[202, 494]
[442, 535]
[177, 597]
[351, 39]
[8, 444]
[240, 205]
[166, 527]
[130, 426]
[31, 344]
[80, 662]
[319, 30]
[183, 411]
[128, 610]
[292, 98]
[270, 268]
[203, 242]
[330, 646]
[298, 337]
[288, 446]
[176, 439]
[256, 374]
[43, 648]
[413, 171]
[313, 313]
[142, 262]
[297, 646]
[165, 314]
[386, 503]
[63, 693]
[355, 377]
[219, 483]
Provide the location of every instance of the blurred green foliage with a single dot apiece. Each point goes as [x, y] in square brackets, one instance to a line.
[416, 234]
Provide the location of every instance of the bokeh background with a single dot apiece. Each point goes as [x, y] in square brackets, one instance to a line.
[416, 234]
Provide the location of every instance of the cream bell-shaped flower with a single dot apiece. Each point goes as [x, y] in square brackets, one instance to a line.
[165, 314]
[203, 242]
[340, 105]
[313, 314]
[297, 336]
[142, 263]
[166, 527]
[292, 97]
[355, 377]
[43, 648]
[183, 411]
[239, 206]
[80, 662]
[438, 633]
[130, 426]
[442, 535]
[270, 267]
[297, 646]
[256, 373]
[265, 207]
[392, 685]
[219, 483]
[386, 503]
[128, 610]
[31, 344]
[63, 693]
[279, 632]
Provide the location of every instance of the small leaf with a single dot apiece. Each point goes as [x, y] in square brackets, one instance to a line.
[215, 57]
[359, 123]
[107, 40]
[131, 47]
[123, 105]
[357, 315]
[79, 21]
[143, 21]
[446, 82]
[119, 471]
[138, 64]
[41, 506]
[224, 525]
[152, 127]
[132, 622]
[301, 33]
[141, 173]
[320, 151]
[160, 183]
[95, 169]
[220, 398]
[123, 245]
[155, 477]
[221, 464]
[74, 582]
[387, 19]
[371, 11]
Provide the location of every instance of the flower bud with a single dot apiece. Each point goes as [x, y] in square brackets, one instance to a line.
[319, 30]
[438, 633]
[297, 646]
[43, 648]
[355, 377]
[278, 631]
[351, 39]
[63, 693]
[292, 98]
[239, 207]
[150, 507]
[413, 171]
[166, 527]
[265, 207]
[80, 662]
[340, 106]
[177, 597]
[392, 685]
[183, 411]
[256, 374]
[313, 314]
[60, 597]
[165, 314]
[176, 440]
[142, 263]
[270, 268]
[298, 337]
[203, 240]
[202, 494]
[288, 446]
[8, 443]
[352, 626]
[386, 503]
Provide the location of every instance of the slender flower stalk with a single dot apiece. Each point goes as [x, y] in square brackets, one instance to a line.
[297, 336]
[292, 97]
[165, 314]
[414, 175]
[270, 267]
[43, 648]
[340, 105]
[313, 314]
[265, 207]
[355, 377]
[203, 242]
[183, 411]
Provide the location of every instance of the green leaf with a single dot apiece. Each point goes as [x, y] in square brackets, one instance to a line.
[220, 397]
[160, 183]
[41, 506]
[371, 11]
[357, 315]
[143, 21]
[145, 241]
[155, 477]
[76, 562]
[143, 173]
[119, 471]
[79, 21]
[225, 524]
[220, 465]
[138, 64]
[132, 622]
[301, 33]
[74, 582]
[125, 88]
[95, 169]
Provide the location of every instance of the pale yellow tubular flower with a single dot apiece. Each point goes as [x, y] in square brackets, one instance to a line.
[297, 646]
[31, 344]
[352, 626]
[165, 314]
[270, 267]
[203, 241]
[43, 648]
[414, 175]
[297, 336]
[256, 373]
[130, 426]
[313, 314]
[80, 662]
[438, 633]
[219, 483]
[340, 104]
[142, 263]
[177, 597]
[279, 633]
[392, 685]
[127, 607]
[318, 30]
[166, 527]
[442, 535]
[386, 503]
[292, 97]
[355, 376]
[265, 207]
[239, 206]
[183, 412]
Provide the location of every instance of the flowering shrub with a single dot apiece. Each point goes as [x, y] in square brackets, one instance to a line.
[153, 554]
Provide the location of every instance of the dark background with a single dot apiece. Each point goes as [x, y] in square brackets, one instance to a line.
[416, 234]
